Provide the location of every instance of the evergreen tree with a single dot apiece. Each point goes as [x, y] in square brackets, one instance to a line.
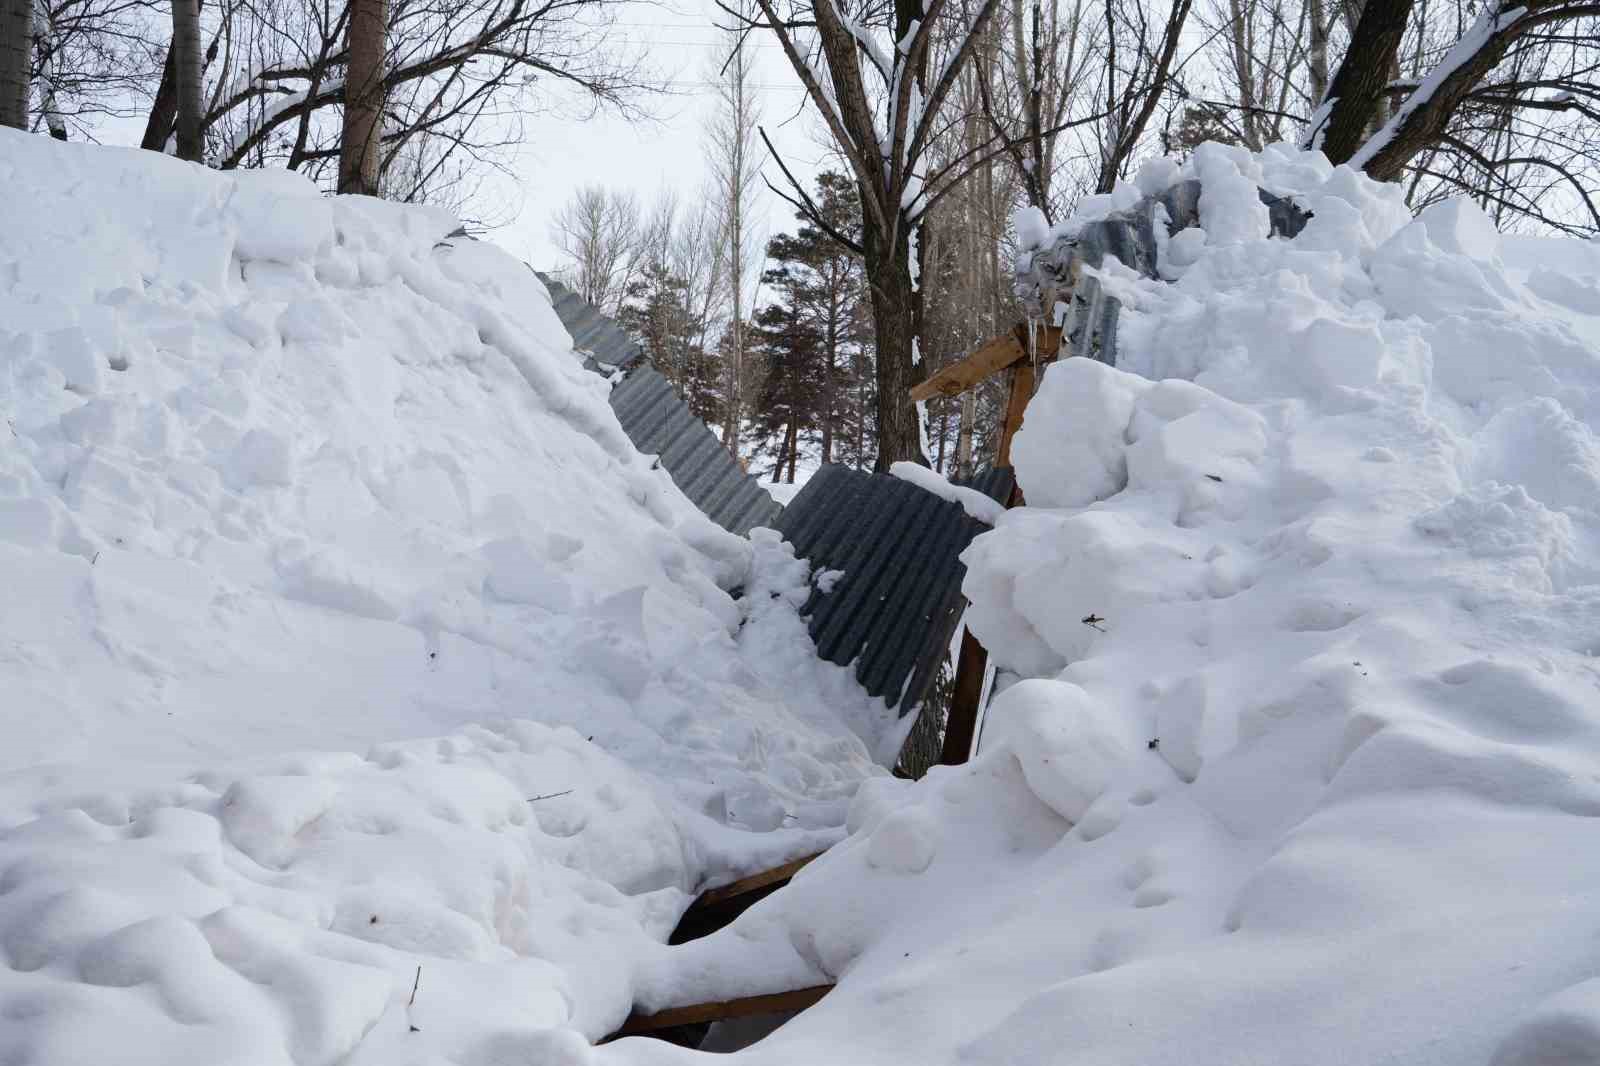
[657, 311]
[813, 341]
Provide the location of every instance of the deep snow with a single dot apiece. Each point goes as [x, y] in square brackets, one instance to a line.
[343, 632]
[1299, 757]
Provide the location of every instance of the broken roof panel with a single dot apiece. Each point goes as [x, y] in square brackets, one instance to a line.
[895, 607]
[658, 422]
[593, 333]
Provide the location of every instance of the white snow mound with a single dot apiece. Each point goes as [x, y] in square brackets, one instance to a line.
[344, 635]
[1296, 755]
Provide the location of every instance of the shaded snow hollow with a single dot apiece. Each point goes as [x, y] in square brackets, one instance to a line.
[1297, 757]
[343, 633]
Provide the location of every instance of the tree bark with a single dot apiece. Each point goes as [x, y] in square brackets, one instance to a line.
[186, 67]
[1359, 83]
[363, 98]
[163, 109]
[16, 45]
[1421, 123]
[894, 326]
[1317, 53]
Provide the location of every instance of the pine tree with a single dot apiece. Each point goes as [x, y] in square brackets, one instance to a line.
[657, 311]
[812, 340]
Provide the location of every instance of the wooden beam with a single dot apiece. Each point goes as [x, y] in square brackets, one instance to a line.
[721, 1010]
[1016, 403]
[962, 721]
[994, 355]
[717, 907]
[991, 357]
[774, 877]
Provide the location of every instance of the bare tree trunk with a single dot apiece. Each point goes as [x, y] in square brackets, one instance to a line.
[186, 69]
[163, 109]
[730, 135]
[830, 370]
[895, 315]
[16, 46]
[363, 98]
[1318, 49]
[1358, 86]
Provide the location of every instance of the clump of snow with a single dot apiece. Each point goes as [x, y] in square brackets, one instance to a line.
[984, 508]
[345, 635]
[1031, 227]
[1295, 752]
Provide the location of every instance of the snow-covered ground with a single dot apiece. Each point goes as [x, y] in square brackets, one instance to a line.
[1303, 765]
[368, 699]
[343, 633]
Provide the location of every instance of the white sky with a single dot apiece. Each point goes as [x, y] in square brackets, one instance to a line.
[679, 40]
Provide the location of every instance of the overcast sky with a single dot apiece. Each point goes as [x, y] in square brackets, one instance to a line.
[562, 154]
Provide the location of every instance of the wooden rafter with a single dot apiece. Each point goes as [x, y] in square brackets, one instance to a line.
[721, 1010]
[991, 357]
[717, 907]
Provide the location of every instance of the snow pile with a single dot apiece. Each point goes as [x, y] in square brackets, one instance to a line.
[1305, 761]
[288, 483]
[984, 508]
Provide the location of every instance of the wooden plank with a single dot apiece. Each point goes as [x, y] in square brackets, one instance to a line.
[721, 1010]
[962, 721]
[1016, 402]
[993, 356]
[717, 907]
[774, 877]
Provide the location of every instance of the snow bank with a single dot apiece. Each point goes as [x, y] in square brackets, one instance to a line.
[1305, 608]
[290, 474]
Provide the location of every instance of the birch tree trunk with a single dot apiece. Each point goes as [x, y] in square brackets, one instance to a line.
[363, 98]
[16, 41]
[1318, 51]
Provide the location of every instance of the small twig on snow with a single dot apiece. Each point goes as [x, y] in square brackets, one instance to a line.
[413, 1001]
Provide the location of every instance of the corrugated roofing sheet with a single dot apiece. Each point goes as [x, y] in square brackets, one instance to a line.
[659, 423]
[593, 333]
[899, 546]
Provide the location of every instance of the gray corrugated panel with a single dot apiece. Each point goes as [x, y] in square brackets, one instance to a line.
[893, 612]
[659, 423]
[591, 331]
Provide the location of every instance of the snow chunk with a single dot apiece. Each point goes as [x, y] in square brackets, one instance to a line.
[904, 842]
[1071, 449]
[1070, 749]
[1031, 228]
[975, 503]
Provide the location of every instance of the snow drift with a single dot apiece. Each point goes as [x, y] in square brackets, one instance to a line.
[344, 635]
[1299, 757]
